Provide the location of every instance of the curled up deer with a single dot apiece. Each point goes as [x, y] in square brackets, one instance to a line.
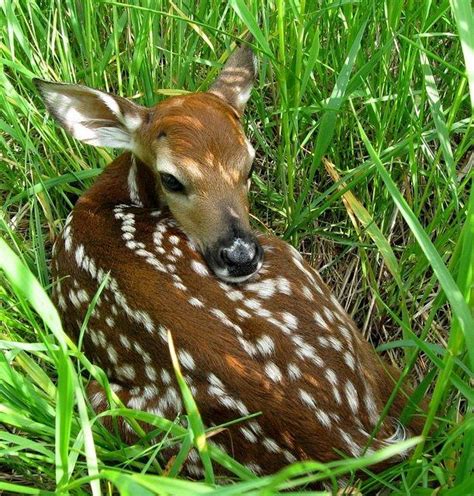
[254, 326]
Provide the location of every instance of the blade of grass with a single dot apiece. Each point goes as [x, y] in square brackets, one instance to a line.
[462, 10]
[453, 294]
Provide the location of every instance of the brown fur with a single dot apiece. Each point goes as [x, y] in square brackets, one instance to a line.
[215, 347]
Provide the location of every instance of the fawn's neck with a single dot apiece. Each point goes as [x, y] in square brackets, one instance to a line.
[126, 180]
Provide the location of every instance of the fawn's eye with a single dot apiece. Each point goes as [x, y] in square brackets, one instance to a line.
[170, 183]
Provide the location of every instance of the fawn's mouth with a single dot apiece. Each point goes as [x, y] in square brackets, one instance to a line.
[236, 260]
[227, 277]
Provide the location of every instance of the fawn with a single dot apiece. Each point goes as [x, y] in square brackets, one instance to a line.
[255, 327]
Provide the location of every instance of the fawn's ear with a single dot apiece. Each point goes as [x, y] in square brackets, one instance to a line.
[235, 81]
[92, 116]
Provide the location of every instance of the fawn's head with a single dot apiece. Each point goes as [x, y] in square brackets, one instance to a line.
[196, 147]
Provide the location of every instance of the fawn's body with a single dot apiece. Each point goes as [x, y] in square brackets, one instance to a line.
[277, 343]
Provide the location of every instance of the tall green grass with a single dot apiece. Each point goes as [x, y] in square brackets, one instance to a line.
[383, 89]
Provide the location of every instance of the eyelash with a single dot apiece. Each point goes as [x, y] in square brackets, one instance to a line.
[170, 183]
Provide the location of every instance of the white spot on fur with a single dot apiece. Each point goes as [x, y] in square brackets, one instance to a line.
[165, 377]
[265, 345]
[126, 372]
[150, 372]
[349, 360]
[196, 302]
[249, 435]
[294, 371]
[173, 239]
[273, 372]
[271, 445]
[352, 397]
[124, 340]
[186, 360]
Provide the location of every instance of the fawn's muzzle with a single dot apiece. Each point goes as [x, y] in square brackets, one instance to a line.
[236, 258]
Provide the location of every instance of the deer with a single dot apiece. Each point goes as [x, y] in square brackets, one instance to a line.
[254, 326]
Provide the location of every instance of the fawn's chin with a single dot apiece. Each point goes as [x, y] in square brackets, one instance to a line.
[224, 274]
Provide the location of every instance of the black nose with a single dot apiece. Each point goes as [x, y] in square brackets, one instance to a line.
[240, 253]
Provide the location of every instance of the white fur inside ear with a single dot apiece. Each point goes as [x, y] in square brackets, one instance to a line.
[110, 137]
[110, 102]
[113, 129]
[250, 149]
[132, 122]
[244, 95]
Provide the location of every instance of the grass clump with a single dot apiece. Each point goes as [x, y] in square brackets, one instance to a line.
[384, 89]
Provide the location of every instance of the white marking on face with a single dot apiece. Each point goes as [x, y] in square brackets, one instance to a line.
[164, 164]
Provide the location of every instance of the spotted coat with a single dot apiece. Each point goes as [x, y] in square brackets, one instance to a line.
[279, 344]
